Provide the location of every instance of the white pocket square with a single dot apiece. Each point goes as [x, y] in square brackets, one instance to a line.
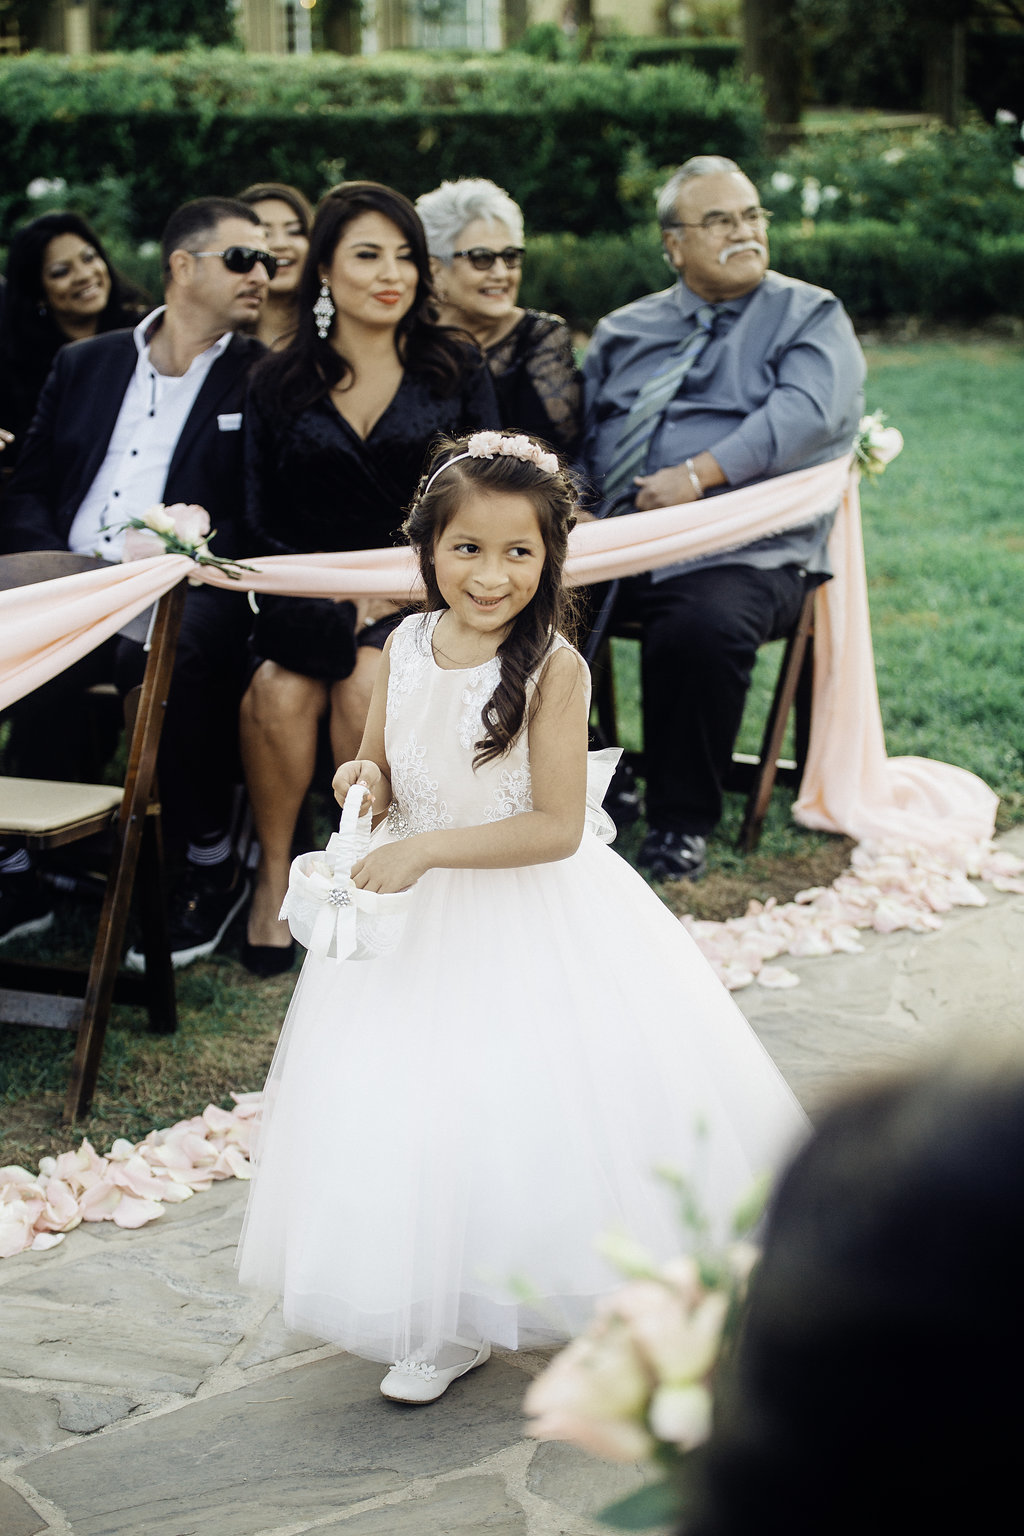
[231, 422]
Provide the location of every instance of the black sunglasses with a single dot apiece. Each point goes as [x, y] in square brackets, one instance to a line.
[242, 258]
[482, 259]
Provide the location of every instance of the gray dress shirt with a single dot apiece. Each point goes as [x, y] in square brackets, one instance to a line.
[779, 387]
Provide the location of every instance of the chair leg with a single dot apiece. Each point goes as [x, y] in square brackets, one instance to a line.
[775, 727]
[137, 791]
[151, 901]
[603, 686]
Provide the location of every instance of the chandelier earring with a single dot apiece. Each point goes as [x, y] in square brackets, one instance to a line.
[323, 311]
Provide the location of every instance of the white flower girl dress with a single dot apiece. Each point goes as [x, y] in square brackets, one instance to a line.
[450, 1129]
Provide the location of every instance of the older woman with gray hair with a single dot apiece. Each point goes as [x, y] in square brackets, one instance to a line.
[475, 238]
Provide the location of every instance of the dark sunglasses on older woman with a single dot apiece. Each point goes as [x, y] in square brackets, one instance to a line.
[481, 258]
[242, 258]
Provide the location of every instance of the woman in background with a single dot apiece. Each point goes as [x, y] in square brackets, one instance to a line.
[475, 235]
[287, 218]
[61, 287]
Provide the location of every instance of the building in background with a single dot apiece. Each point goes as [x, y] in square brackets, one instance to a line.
[349, 26]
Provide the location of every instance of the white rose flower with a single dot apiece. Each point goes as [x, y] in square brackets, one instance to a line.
[42, 186]
[681, 1415]
[1018, 174]
[1005, 116]
[885, 443]
[782, 181]
[810, 197]
[159, 519]
[894, 156]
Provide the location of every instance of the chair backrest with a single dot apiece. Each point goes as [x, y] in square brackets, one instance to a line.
[33, 565]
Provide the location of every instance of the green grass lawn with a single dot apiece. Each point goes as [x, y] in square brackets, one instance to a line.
[944, 536]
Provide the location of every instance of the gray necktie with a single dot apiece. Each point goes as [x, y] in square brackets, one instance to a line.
[649, 406]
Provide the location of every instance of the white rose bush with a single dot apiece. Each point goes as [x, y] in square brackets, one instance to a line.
[637, 1385]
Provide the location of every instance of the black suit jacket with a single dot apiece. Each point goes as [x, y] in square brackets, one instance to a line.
[71, 431]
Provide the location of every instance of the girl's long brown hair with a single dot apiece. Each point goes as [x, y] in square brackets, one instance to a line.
[551, 608]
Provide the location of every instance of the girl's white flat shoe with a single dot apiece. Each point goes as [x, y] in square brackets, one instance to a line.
[413, 1380]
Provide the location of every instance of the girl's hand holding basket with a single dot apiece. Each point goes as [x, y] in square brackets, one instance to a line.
[327, 912]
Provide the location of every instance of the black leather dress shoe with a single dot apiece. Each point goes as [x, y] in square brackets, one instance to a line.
[674, 855]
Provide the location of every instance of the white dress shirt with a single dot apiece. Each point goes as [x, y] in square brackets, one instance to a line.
[134, 472]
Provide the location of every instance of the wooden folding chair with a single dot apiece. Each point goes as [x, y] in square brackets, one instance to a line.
[755, 777]
[39, 814]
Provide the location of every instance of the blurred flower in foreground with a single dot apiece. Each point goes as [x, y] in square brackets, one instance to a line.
[637, 1385]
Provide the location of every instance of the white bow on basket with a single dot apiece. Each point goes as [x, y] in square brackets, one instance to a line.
[326, 912]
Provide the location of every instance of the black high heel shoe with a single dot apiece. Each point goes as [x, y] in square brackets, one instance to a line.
[268, 959]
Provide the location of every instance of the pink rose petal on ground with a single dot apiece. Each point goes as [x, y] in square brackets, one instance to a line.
[248, 1103]
[232, 1165]
[218, 1119]
[777, 977]
[1004, 883]
[100, 1202]
[811, 943]
[43, 1240]
[174, 1194]
[169, 1156]
[61, 1212]
[133, 1213]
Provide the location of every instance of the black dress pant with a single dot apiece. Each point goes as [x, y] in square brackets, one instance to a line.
[199, 761]
[701, 633]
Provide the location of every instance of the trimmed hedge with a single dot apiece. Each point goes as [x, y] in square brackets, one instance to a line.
[877, 270]
[557, 136]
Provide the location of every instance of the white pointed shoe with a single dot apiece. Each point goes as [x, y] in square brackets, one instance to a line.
[422, 1381]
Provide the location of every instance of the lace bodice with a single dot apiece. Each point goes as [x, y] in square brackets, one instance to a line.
[537, 381]
[431, 732]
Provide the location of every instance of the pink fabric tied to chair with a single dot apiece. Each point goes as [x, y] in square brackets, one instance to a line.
[849, 784]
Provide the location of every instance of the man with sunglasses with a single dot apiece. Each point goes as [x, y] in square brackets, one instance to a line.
[733, 375]
[125, 420]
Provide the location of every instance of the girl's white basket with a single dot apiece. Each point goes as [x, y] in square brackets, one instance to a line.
[326, 912]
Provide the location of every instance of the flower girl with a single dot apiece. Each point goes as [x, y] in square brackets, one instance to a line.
[450, 1129]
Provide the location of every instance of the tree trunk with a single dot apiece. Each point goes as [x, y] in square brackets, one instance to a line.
[342, 27]
[774, 51]
[944, 67]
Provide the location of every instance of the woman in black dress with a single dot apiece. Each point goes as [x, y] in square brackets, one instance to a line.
[475, 235]
[338, 424]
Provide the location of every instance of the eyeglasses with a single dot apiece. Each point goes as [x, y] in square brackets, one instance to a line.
[727, 223]
[483, 259]
[242, 258]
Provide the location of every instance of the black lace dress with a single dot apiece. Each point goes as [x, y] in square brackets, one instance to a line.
[313, 484]
[537, 381]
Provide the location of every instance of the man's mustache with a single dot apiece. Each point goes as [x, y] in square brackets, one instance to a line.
[737, 250]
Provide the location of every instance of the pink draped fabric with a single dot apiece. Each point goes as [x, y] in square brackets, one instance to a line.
[849, 785]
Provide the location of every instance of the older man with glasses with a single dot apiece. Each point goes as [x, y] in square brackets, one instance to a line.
[125, 420]
[733, 375]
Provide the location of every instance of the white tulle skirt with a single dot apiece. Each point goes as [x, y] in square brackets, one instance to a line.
[450, 1130]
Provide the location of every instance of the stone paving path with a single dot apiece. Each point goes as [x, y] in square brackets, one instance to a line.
[141, 1394]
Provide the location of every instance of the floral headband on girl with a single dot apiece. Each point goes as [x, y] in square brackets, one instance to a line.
[488, 445]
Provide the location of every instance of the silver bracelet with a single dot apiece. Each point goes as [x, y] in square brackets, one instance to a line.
[698, 489]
